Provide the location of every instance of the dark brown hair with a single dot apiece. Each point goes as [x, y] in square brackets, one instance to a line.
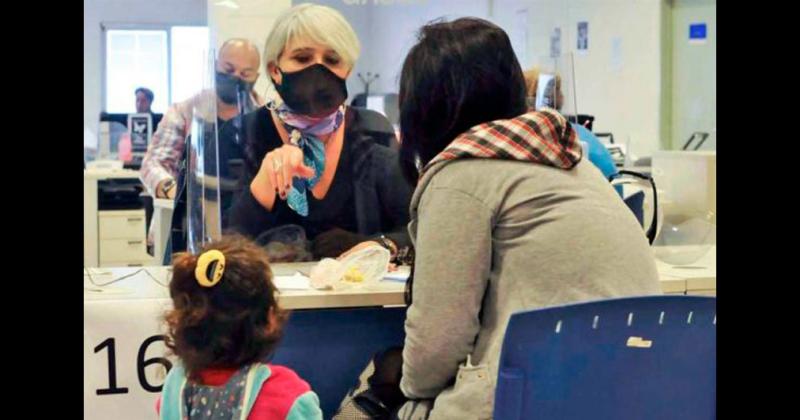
[147, 93]
[458, 75]
[227, 325]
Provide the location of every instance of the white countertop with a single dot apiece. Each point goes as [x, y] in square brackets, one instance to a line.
[109, 173]
[151, 283]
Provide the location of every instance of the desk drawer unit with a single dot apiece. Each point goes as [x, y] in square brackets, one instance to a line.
[122, 224]
[123, 237]
[123, 252]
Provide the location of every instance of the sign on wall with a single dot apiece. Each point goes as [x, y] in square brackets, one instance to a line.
[124, 368]
[555, 43]
[697, 33]
[583, 36]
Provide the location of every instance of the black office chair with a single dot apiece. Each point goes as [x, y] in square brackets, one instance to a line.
[582, 119]
[359, 100]
[609, 135]
[391, 105]
[697, 134]
[377, 126]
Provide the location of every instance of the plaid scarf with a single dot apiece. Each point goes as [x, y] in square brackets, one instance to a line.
[544, 137]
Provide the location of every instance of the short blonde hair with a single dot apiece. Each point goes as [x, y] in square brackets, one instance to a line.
[532, 81]
[321, 24]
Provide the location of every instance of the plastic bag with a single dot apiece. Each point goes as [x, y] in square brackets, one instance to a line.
[363, 268]
[286, 243]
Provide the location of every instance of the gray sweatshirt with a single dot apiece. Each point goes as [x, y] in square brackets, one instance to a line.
[494, 237]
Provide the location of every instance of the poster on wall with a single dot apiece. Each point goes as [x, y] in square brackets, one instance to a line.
[583, 36]
[555, 43]
[697, 33]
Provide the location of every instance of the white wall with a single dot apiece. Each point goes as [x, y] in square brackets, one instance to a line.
[618, 79]
[96, 12]
[623, 92]
[694, 73]
[252, 20]
[626, 98]
[387, 30]
[394, 32]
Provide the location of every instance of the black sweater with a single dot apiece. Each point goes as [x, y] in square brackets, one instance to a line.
[368, 196]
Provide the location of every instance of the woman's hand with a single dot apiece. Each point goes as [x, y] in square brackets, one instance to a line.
[278, 168]
[364, 245]
[334, 242]
[360, 246]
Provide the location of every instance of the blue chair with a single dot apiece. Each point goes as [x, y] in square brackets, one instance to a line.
[635, 202]
[648, 357]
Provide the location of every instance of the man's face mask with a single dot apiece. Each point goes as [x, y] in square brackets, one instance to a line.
[229, 87]
[314, 91]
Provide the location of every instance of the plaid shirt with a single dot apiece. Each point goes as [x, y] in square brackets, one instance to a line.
[166, 146]
[544, 137]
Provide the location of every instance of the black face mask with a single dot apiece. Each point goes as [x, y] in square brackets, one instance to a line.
[314, 91]
[229, 88]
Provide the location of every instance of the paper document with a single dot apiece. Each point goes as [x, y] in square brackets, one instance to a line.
[402, 274]
[296, 281]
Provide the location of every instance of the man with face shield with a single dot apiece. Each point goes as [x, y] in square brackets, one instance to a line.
[309, 160]
[236, 73]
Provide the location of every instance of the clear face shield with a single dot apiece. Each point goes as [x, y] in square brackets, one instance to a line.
[202, 180]
[687, 182]
[685, 239]
[215, 154]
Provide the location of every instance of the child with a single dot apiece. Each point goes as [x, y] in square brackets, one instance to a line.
[224, 324]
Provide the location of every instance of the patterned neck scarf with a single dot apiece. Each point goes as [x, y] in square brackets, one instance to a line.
[304, 132]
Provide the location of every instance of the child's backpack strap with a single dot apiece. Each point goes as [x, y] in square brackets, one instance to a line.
[258, 374]
[172, 394]
[174, 400]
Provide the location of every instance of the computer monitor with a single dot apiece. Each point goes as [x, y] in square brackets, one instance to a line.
[123, 118]
[114, 117]
[140, 130]
[117, 125]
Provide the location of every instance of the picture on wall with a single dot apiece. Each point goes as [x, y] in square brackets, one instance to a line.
[583, 36]
[555, 43]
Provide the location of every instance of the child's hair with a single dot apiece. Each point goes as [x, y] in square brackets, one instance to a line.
[226, 325]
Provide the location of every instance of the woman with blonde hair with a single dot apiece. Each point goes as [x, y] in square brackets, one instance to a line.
[310, 160]
[553, 97]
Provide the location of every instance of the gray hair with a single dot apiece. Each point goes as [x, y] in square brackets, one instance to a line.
[321, 24]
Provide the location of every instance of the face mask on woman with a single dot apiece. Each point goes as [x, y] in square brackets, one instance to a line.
[314, 91]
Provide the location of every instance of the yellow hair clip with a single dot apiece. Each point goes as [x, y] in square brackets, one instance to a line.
[210, 264]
